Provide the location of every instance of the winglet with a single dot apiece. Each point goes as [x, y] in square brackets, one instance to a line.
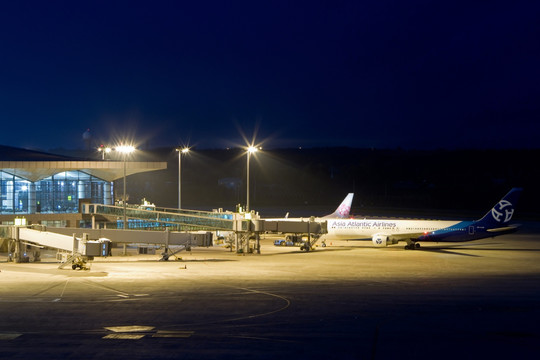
[344, 209]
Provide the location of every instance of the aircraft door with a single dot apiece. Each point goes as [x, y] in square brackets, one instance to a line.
[471, 230]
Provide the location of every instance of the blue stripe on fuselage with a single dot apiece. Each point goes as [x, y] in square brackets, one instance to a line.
[462, 231]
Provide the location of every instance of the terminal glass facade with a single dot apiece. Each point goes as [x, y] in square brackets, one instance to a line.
[59, 193]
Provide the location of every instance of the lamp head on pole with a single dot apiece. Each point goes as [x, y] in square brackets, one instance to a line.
[125, 149]
[104, 149]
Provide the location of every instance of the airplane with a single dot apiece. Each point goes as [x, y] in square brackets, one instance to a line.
[384, 232]
[342, 212]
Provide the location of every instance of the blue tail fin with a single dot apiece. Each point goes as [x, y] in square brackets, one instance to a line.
[502, 212]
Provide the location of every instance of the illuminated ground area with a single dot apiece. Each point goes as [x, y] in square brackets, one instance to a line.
[347, 301]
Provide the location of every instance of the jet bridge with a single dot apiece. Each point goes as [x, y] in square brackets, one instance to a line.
[189, 220]
[78, 250]
[244, 227]
[76, 246]
[166, 239]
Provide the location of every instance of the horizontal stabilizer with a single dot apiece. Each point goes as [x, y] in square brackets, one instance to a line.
[504, 229]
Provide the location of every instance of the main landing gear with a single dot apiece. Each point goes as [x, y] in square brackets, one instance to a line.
[412, 246]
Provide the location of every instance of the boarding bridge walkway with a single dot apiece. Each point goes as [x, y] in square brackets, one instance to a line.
[88, 243]
[187, 219]
[244, 225]
[77, 250]
[243, 228]
[206, 220]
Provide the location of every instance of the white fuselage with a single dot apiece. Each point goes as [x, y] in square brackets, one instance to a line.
[355, 229]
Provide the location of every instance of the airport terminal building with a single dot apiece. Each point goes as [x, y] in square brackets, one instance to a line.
[48, 189]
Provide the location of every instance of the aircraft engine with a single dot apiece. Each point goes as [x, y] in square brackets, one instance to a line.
[380, 240]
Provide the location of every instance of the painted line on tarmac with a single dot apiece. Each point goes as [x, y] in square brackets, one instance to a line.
[104, 287]
[129, 328]
[252, 291]
[124, 336]
[137, 332]
[173, 334]
[9, 336]
[129, 332]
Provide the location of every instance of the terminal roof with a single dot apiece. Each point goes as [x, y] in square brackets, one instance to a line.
[36, 165]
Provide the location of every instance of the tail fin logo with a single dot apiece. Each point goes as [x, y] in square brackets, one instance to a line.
[501, 210]
[343, 210]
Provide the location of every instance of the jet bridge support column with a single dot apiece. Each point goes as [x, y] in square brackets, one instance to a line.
[165, 253]
[243, 231]
[257, 243]
[244, 238]
[16, 249]
[257, 226]
[14, 245]
[242, 241]
[308, 246]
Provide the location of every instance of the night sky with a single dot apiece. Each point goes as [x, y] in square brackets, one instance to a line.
[383, 74]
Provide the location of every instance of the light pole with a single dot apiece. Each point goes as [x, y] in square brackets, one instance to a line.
[250, 150]
[125, 150]
[180, 152]
[104, 150]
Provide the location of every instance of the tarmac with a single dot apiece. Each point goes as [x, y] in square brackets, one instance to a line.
[345, 301]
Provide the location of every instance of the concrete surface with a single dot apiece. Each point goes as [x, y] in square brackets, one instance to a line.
[346, 301]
